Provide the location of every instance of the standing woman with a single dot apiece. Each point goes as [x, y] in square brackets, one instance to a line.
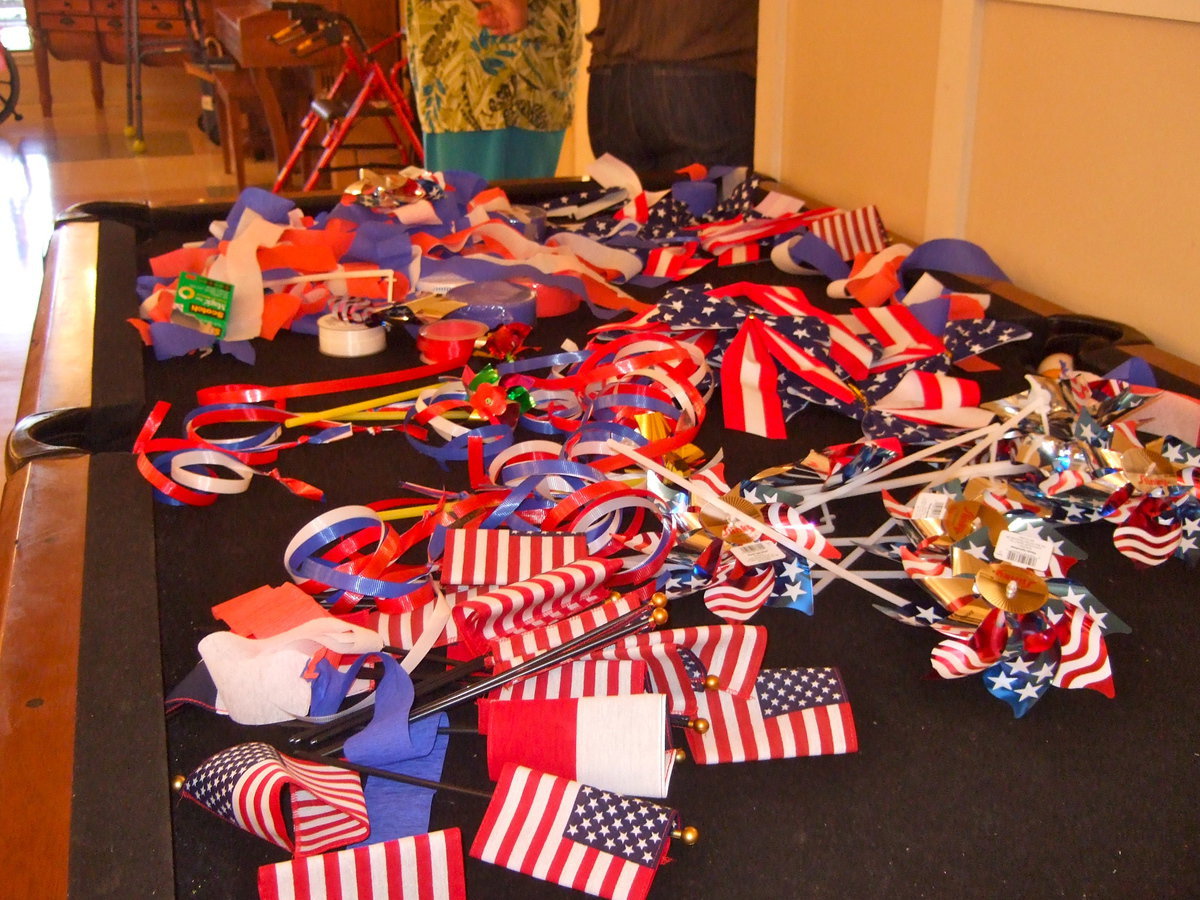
[494, 82]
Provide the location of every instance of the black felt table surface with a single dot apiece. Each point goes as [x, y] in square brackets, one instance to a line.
[948, 796]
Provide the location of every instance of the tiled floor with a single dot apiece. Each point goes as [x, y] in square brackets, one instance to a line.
[80, 154]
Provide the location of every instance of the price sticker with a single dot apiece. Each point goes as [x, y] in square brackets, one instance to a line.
[930, 505]
[757, 553]
[1025, 550]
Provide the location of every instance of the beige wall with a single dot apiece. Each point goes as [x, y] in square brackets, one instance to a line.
[1086, 178]
[850, 119]
[1062, 139]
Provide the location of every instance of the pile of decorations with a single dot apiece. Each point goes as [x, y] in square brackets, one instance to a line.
[591, 509]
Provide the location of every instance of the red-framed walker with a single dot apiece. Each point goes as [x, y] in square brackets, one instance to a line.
[378, 93]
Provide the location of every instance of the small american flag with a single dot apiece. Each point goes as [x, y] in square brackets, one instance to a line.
[793, 712]
[532, 603]
[679, 659]
[851, 232]
[579, 678]
[421, 867]
[244, 785]
[557, 830]
[491, 556]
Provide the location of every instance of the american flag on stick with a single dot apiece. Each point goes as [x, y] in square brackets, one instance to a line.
[421, 867]
[245, 783]
[558, 830]
[793, 712]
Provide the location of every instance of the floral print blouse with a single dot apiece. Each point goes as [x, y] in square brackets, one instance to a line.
[468, 79]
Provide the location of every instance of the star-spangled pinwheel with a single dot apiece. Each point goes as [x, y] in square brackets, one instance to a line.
[1000, 598]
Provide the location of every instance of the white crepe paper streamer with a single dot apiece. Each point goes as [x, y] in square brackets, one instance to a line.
[781, 258]
[261, 680]
[777, 204]
[238, 267]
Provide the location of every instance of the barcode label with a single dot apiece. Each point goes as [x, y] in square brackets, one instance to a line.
[1025, 550]
[757, 553]
[930, 505]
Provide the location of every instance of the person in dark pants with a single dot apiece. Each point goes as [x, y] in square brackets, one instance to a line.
[673, 83]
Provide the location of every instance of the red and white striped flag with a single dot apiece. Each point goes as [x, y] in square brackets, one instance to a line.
[615, 743]
[922, 565]
[558, 830]
[894, 507]
[740, 255]
[791, 524]
[421, 867]
[680, 659]
[1083, 662]
[929, 397]
[499, 556]
[957, 659]
[536, 601]
[245, 783]
[404, 629]
[578, 678]
[717, 237]
[1061, 482]
[851, 232]
[954, 658]
[674, 262]
[792, 712]
[512, 650]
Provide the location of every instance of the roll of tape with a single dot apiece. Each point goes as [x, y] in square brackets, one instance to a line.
[495, 303]
[449, 340]
[554, 301]
[338, 338]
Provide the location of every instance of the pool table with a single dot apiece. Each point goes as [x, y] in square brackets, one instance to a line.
[107, 593]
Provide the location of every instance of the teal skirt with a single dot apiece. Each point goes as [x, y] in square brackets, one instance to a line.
[505, 153]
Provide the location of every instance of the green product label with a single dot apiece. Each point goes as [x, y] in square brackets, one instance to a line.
[205, 300]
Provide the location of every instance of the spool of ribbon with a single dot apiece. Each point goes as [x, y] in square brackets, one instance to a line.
[495, 303]
[340, 338]
[449, 340]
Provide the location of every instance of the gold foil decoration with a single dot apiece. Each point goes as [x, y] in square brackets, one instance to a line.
[431, 307]
[818, 462]
[652, 426]
[1011, 588]
[954, 594]
[1147, 471]
[719, 526]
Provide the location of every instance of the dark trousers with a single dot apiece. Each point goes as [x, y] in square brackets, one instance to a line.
[663, 117]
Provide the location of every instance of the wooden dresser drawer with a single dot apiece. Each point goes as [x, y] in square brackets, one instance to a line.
[160, 9]
[71, 7]
[66, 22]
[165, 28]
